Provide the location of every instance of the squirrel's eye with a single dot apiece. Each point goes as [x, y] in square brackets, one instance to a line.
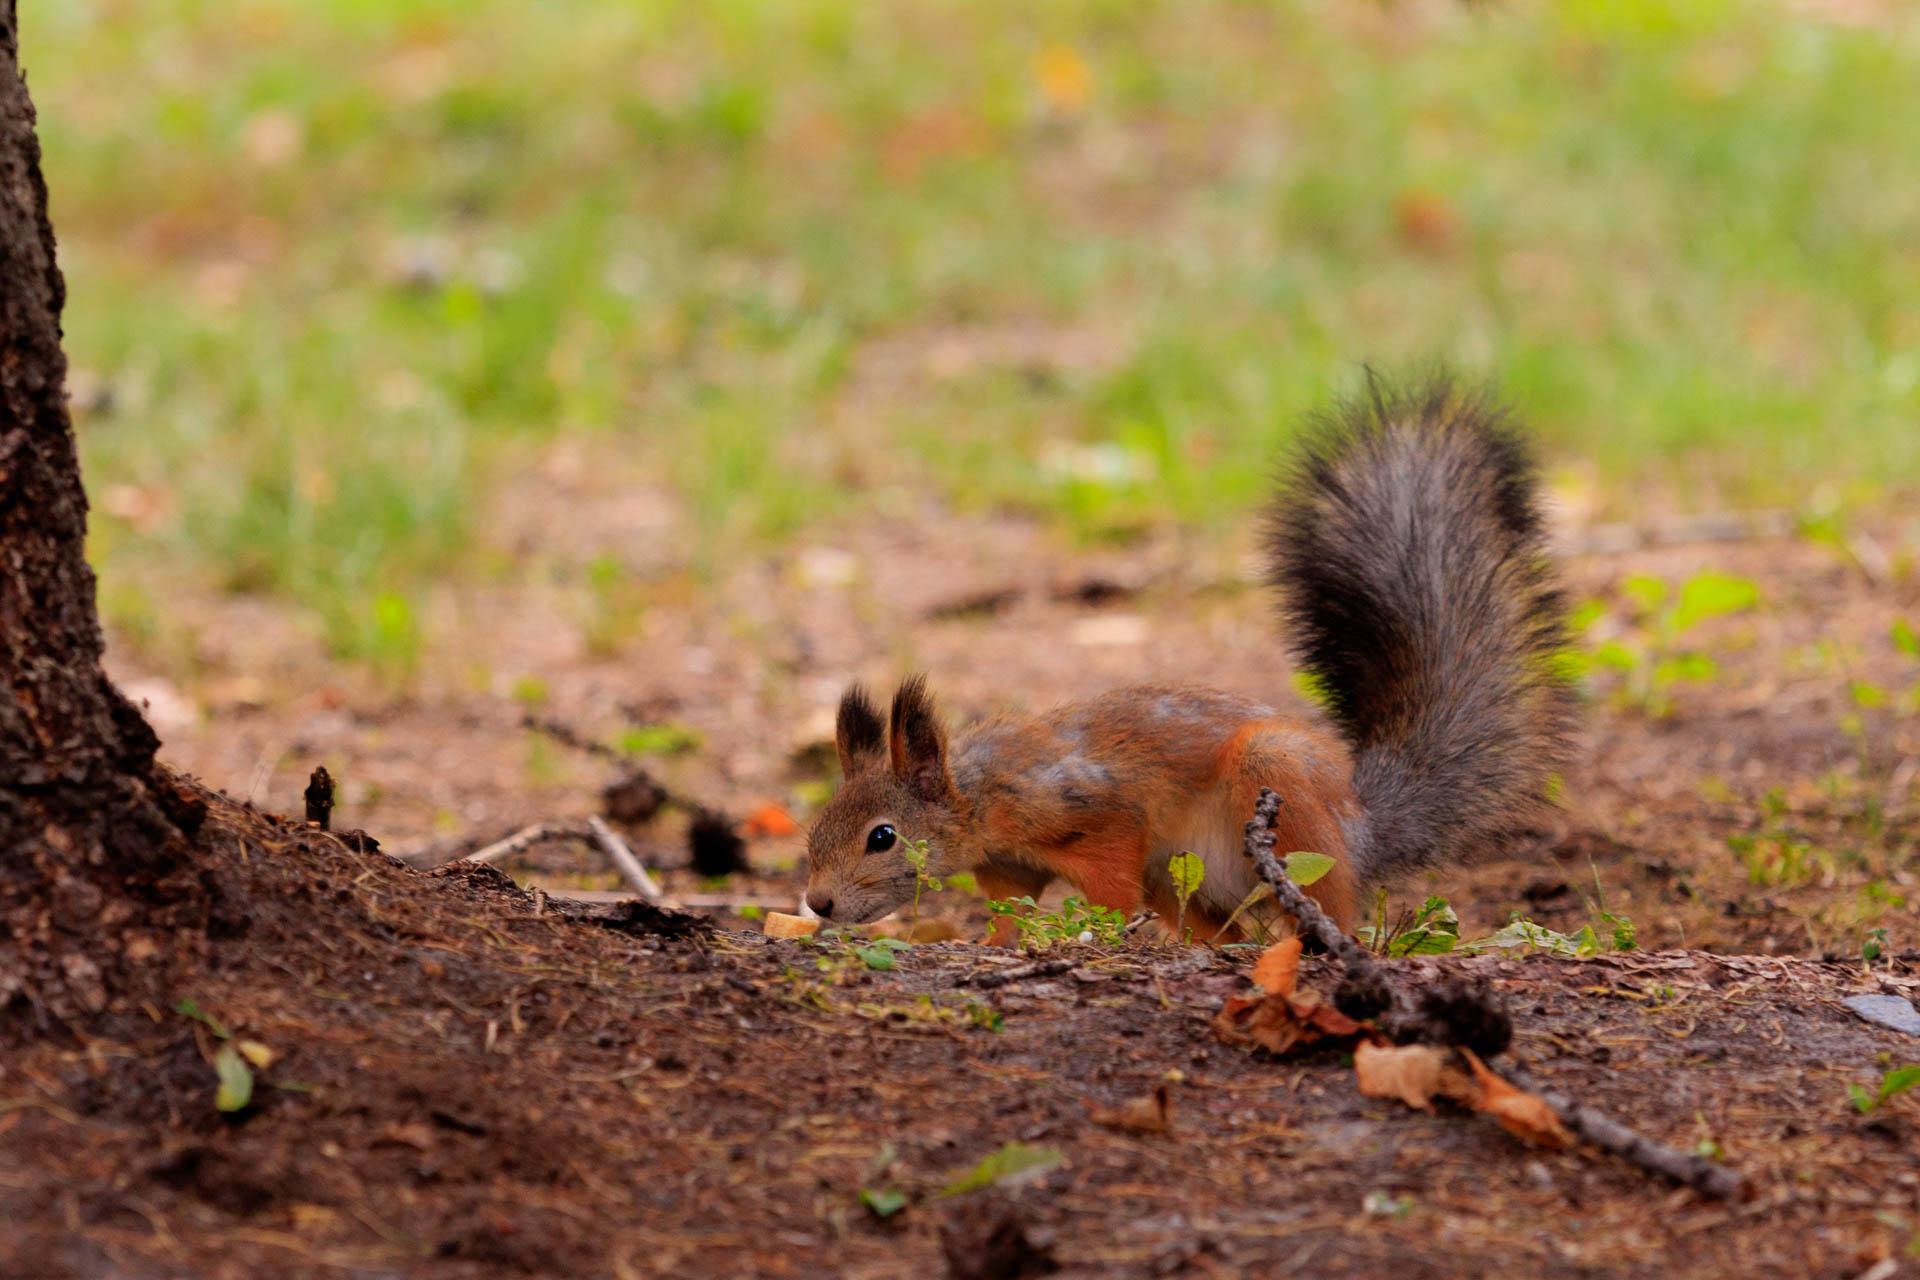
[880, 839]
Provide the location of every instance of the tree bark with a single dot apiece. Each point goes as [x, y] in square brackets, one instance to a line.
[91, 847]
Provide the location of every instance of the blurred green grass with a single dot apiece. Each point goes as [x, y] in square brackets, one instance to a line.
[337, 266]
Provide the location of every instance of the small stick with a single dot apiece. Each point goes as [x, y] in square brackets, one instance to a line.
[521, 841]
[1363, 971]
[595, 832]
[320, 798]
[1705, 1176]
[1020, 973]
[610, 843]
[1370, 979]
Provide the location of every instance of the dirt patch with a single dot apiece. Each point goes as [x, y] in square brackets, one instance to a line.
[465, 1082]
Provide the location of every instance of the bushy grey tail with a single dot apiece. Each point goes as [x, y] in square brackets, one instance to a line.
[1406, 543]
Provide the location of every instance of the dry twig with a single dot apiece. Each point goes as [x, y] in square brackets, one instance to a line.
[1703, 1175]
[593, 831]
[1460, 1015]
[1020, 973]
[521, 841]
[609, 842]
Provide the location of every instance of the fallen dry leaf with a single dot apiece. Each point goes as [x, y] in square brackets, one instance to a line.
[413, 1133]
[258, 1054]
[1277, 1023]
[1279, 967]
[1522, 1114]
[1148, 1113]
[1410, 1072]
[769, 820]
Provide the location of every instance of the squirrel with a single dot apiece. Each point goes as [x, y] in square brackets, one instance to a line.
[1405, 542]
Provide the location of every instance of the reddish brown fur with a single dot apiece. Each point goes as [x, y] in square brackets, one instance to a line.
[1408, 550]
[1098, 794]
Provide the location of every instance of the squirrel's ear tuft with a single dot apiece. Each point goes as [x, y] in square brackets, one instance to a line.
[859, 734]
[919, 741]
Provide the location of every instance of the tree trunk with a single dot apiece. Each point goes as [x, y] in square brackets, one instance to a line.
[91, 847]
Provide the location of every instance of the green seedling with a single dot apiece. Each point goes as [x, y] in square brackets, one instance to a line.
[658, 740]
[1874, 945]
[1654, 657]
[1077, 920]
[1776, 856]
[879, 953]
[1434, 929]
[916, 854]
[1186, 870]
[1892, 1084]
[883, 1202]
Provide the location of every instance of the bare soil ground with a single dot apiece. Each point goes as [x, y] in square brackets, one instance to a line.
[465, 1080]
[466, 1083]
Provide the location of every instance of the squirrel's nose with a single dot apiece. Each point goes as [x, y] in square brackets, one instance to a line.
[821, 904]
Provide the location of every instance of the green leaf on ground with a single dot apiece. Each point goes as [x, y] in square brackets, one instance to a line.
[236, 1079]
[883, 1202]
[1011, 1165]
[188, 1007]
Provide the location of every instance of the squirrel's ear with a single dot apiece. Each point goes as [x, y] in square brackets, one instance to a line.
[919, 742]
[859, 734]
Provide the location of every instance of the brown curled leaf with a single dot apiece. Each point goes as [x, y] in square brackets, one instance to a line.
[1526, 1116]
[1278, 967]
[1148, 1113]
[1409, 1072]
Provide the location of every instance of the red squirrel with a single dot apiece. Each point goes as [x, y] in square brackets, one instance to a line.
[1405, 543]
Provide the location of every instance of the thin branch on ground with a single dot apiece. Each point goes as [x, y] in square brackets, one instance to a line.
[1468, 1015]
[610, 843]
[1020, 973]
[521, 841]
[593, 831]
[1703, 1175]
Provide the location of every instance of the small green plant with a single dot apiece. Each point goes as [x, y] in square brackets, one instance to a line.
[1433, 929]
[1186, 870]
[613, 606]
[385, 632]
[666, 739]
[1892, 1084]
[985, 1016]
[1707, 1147]
[1384, 1204]
[1625, 936]
[1874, 945]
[1775, 856]
[234, 1062]
[883, 1202]
[1077, 920]
[916, 854]
[879, 953]
[1907, 640]
[1653, 656]
[1521, 933]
